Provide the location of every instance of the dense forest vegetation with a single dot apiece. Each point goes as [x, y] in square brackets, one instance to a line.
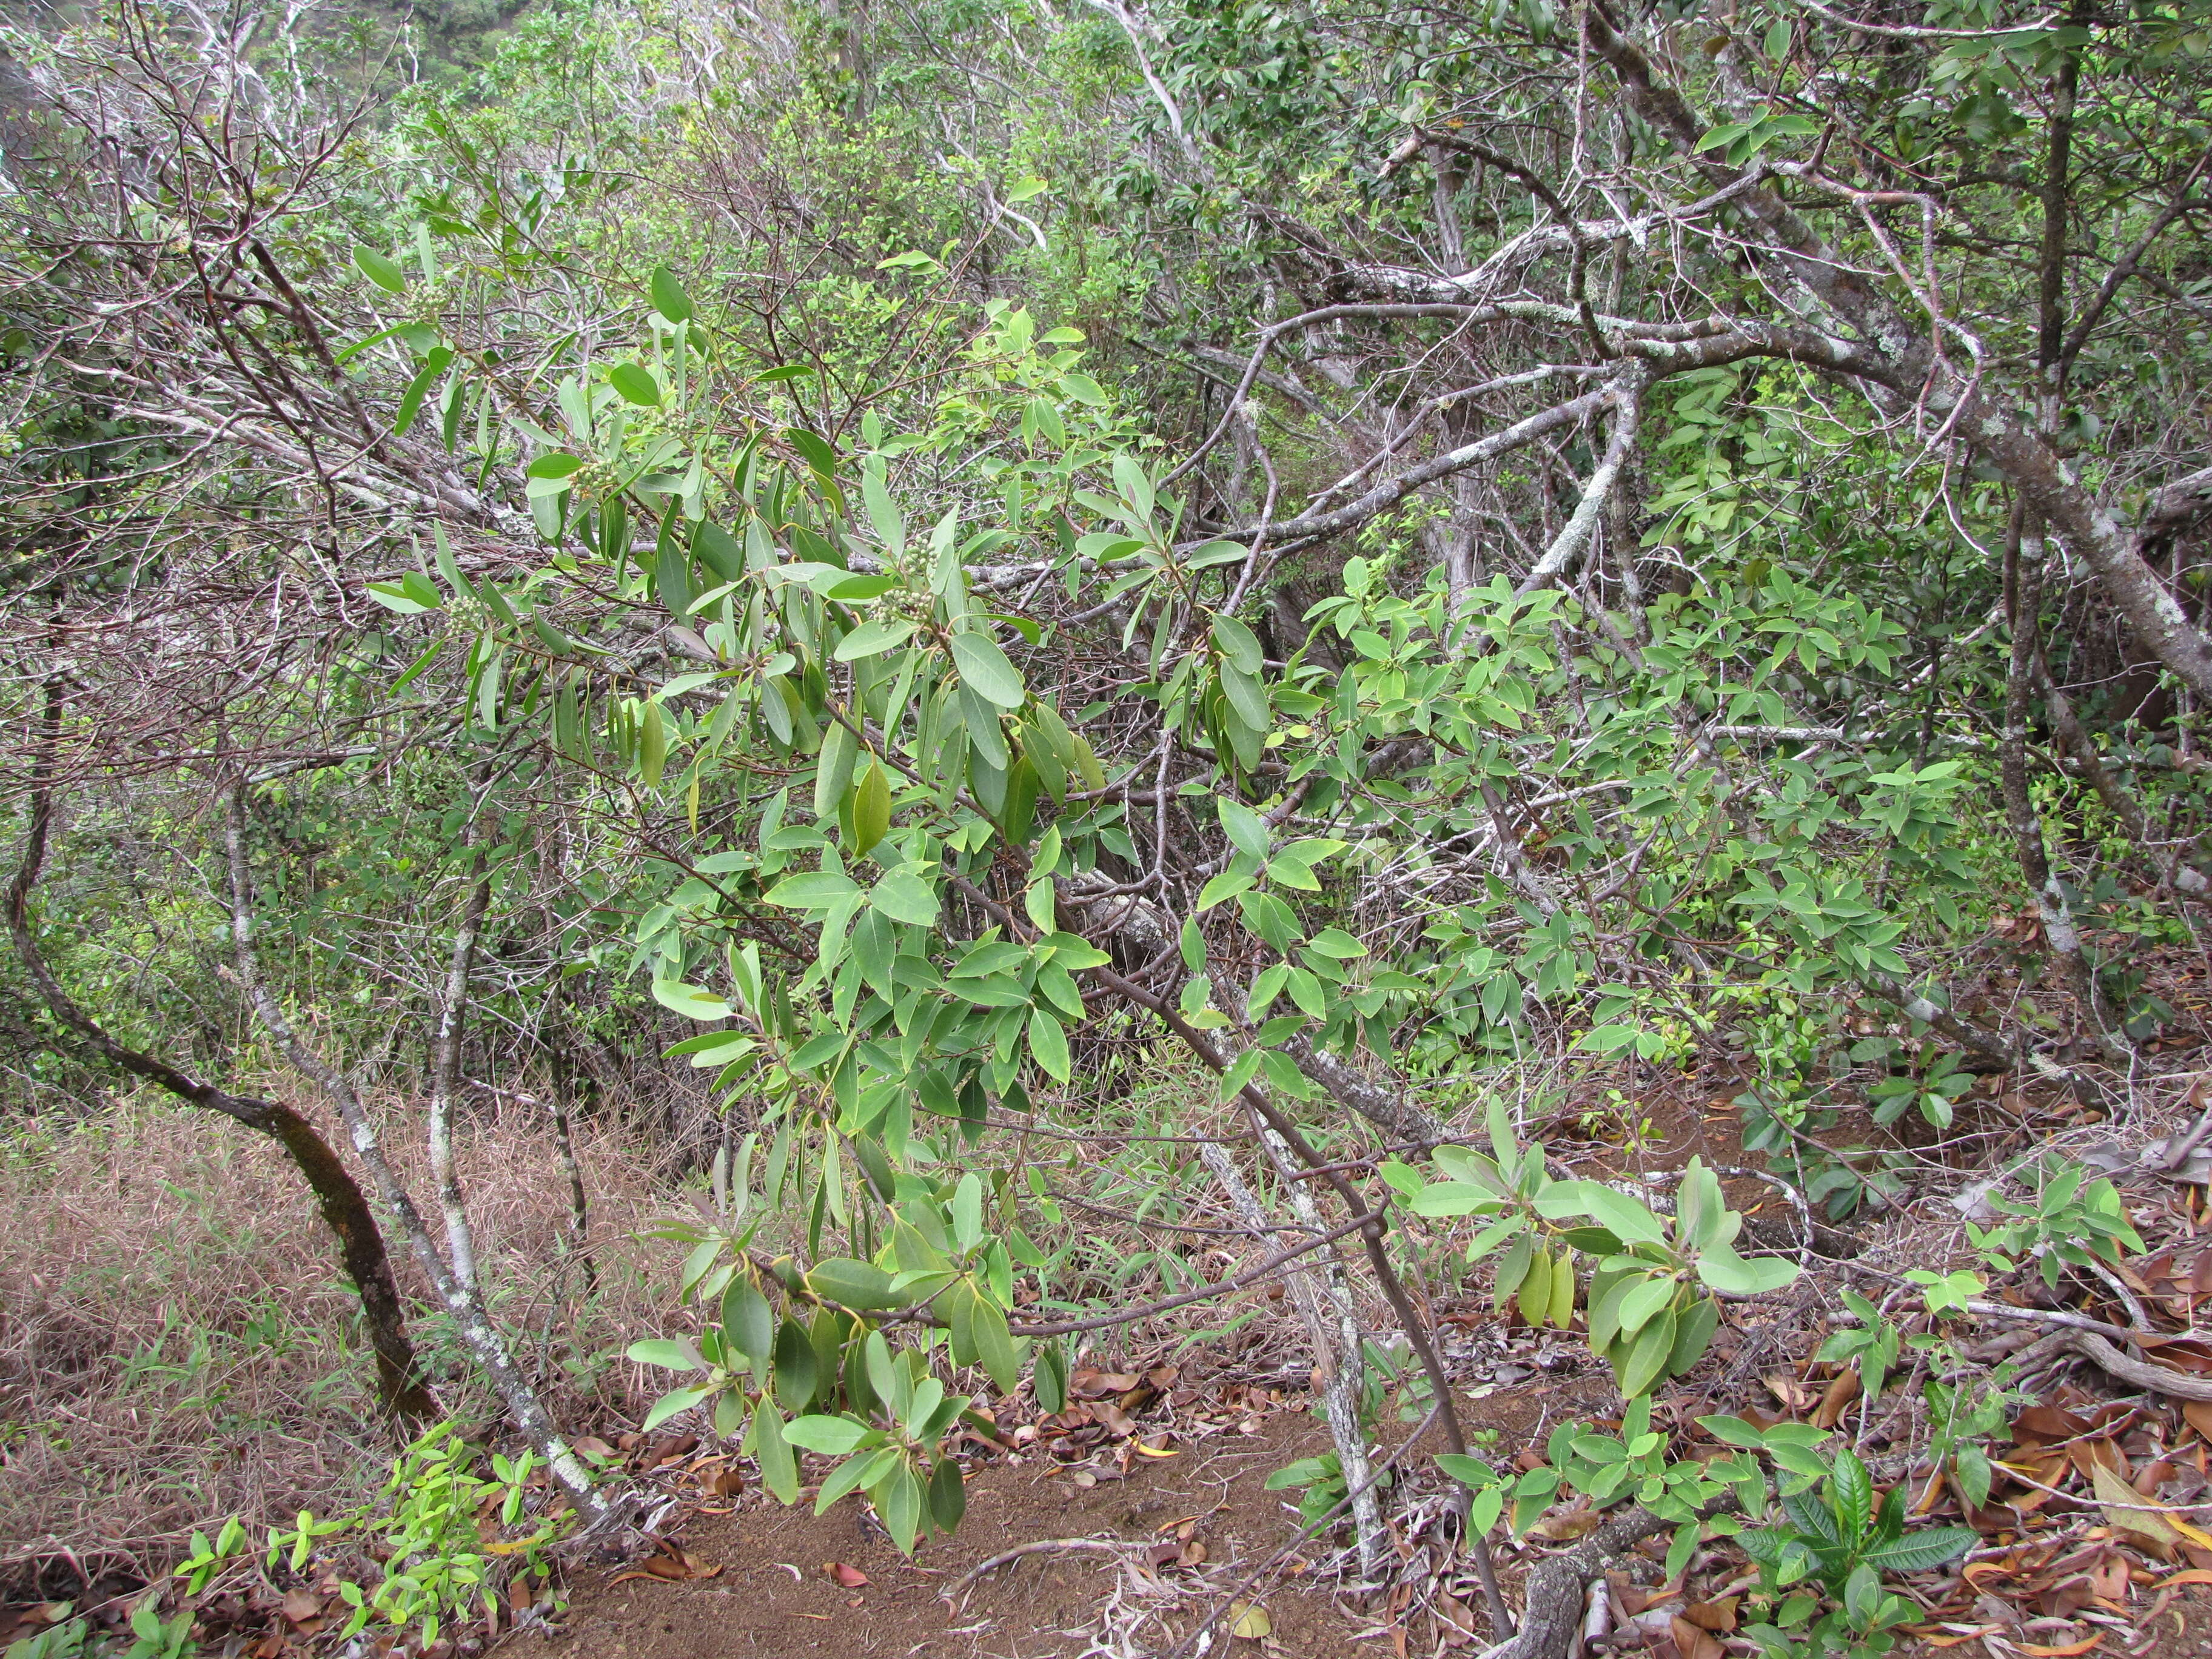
[802, 722]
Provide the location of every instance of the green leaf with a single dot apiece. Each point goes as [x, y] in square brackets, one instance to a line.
[1647, 1356]
[1916, 1552]
[668, 1356]
[1616, 1212]
[985, 668]
[797, 1372]
[901, 894]
[1247, 700]
[1468, 1471]
[668, 298]
[1243, 826]
[635, 383]
[378, 269]
[779, 1468]
[995, 1345]
[861, 1469]
[871, 813]
[898, 1500]
[814, 449]
[1451, 1198]
[689, 1001]
[815, 889]
[681, 1400]
[1723, 1269]
[1733, 1431]
[1225, 884]
[748, 1321]
[409, 596]
[851, 1284]
[1239, 644]
[1513, 1268]
[948, 1495]
[832, 1436]
[1640, 1301]
[1048, 1045]
[873, 638]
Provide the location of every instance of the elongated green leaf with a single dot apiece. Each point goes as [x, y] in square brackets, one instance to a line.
[904, 896]
[1730, 1274]
[748, 1321]
[1639, 1302]
[986, 669]
[385, 274]
[948, 1496]
[668, 1356]
[1616, 1212]
[680, 1399]
[689, 1001]
[995, 1347]
[668, 298]
[779, 1468]
[1916, 1552]
[857, 1285]
[1468, 1471]
[1243, 826]
[411, 595]
[1451, 1198]
[871, 639]
[1647, 1356]
[898, 1501]
[872, 808]
[815, 890]
[1048, 1045]
[1239, 644]
[635, 383]
[861, 1469]
[833, 1437]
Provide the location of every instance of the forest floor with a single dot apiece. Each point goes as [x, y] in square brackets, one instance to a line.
[1140, 1511]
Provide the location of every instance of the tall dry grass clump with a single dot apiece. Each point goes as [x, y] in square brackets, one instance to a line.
[177, 1343]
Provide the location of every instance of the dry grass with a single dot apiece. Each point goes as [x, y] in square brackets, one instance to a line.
[176, 1344]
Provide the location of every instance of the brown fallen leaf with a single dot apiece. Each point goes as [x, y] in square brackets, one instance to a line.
[300, 1606]
[1836, 1399]
[591, 1446]
[2063, 1600]
[1560, 1525]
[1194, 1553]
[672, 1566]
[846, 1574]
[2199, 1412]
[2101, 1453]
[1789, 1393]
[1088, 1384]
[2147, 1528]
[2041, 1425]
[672, 1450]
[1692, 1643]
[1458, 1630]
[1718, 1616]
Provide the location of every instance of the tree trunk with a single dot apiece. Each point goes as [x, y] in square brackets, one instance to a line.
[400, 1390]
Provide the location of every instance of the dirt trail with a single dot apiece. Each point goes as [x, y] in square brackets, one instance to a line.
[774, 1596]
